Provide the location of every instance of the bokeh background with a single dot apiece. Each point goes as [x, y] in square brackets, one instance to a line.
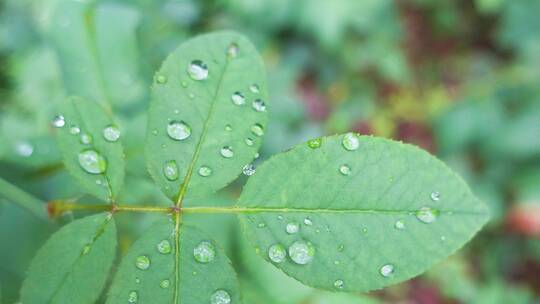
[459, 78]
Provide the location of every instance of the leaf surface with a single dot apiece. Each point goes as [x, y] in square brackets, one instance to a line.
[392, 214]
[204, 105]
[156, 282]
[83, 132]
[74, 263]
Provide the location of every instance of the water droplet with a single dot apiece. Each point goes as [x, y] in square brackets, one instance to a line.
[204, 252]
[302, 252]
[277, 253]
[248, 169]
[400, 225]
[254, 88]
[184, 84]
[256, 155]
[191, 96]
[86, 138]
[427, 214]
[142, 262]
[261, 225]
[292, 228]
[365, 230]
[351, 141]
[228, 128]
[232, 50]
[137, 280]
[92, 162]
[308, 221]
[133, 297]
[220, 297]
[197, 70]
[154, 132]
[58, 121]
[280, 217]
[257, 130]
[337, 262]
[258, 105]
[161, 79]
[387, 270]
[341, 248]
[249, 141]
[435, 196]
[170, 170]
[205, 171]
[226, 152]
[111, 133]
[86, 249]
[443, 238]
[164, 247]
[178, 130]
[24, 149]
[165, 284]
[314, 143]
[74, 130]
[238, 99]
[339, 284]
[345, 170]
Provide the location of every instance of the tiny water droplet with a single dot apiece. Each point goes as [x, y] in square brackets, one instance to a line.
[165, 284]
[308, 221]
[226, 152]
[228, 128]
[133, 297]
[280, 217]
[387, 270]
[341, 248]
[256, 155]
[249, 141]
[400, 225]
[254, 88]
[258, 105]
[197, 70]
[238, 99]
[261, 225]
[292, 228]
[351, 141]
[337, 262]
[74, 130]
[427, 215]
[154, 132]
[339, 284]
[435, 196]
[24, 149]
[248, 169]
[178, 130]
[170, 170]
[365, 230]
[205, 171]
[277, 253]
[191, 96]
[111, 133]
[345, 170]
[184, 84]
[58, 121]
[220, 297]
[314, 143]
[137, 280]
[142, 262]
[232, 50]
[86, 138]
[161, 79]
[204, 252]
[92, 162]
[301, 252]
[164, 247]
[257, 130]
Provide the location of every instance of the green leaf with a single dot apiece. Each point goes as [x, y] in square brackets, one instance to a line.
[149, 271]
[205, 107]
[73, 265]
[361, 222]
[97, 163]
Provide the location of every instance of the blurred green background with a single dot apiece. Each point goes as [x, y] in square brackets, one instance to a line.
[458, 78]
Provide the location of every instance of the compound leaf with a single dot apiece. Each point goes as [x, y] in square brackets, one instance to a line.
[357, 213]
[207, 114]
[153, 271]
[73, 265]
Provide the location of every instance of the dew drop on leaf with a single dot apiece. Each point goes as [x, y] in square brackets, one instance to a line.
[387, 270]
[339, 284]
[435, 196]
[133, 297]
[86, 138]
[228, 128]
[426, 214]
[142, 262]
[161, 79]
[301, 252]
[170, 170]
[254, 88]
[204, 252]
[341, 248]
[232, 50]
[261, 225]
[249, 141]
[220, 297]
[277, 253]
[165, 284]
[92, 162]
[308, 221]
[205, 171]
[164, 247]
[111, 133]
[24, 149]
[258, 105]
[197, 70]
[345, 170]
[292, 228]
[58, 121]
[351, 141]
[184, 84]
[74, 130]
[238, 99]
[400, 225]
[226, 152]
[314, 143]
[248, 169]
[257, 130]
[178, 130]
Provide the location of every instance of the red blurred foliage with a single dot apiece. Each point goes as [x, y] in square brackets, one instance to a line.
[315, 101]
[416, 133]
[524, 219]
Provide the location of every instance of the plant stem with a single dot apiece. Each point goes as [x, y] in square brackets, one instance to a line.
[27, 201]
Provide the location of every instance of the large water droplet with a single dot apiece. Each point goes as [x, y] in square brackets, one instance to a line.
[314, 143]
[277, 253]
[258, 105]
[165, 284]
[351, 141]
[92, 162]
[254, 88]
[86, 139]
[257, 130]
[345, 170]
[170, 170]
[111, 133]
[301, 252]
[142, 262]
[58, 121]
[197, 70]
[387, 270]
[178, 130]
[74, 130]
[220, 297]
[238, 99]
[400, 225]
[164, 247]
[24, 149]
[248, 169]
[292, 228]
[427, 214]
[133, 297]
[204, 252]
[435, 196]
[339, 284]
[205, 171]
[226, 152]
